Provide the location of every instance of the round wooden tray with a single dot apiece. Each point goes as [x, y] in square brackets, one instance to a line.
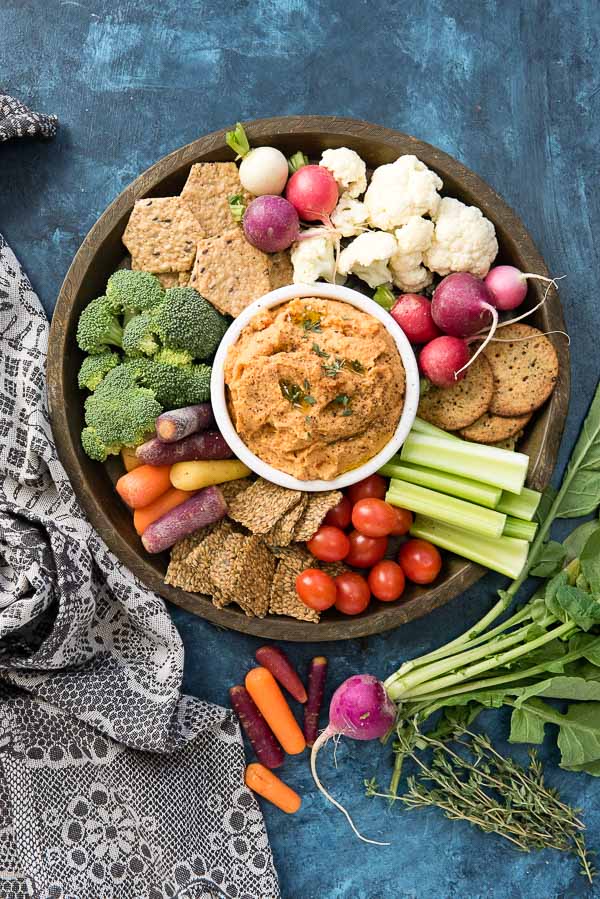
[102, 252]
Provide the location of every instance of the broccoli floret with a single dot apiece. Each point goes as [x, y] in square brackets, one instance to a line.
[185, 320]
[179, 358]
[173, 386]
[118, 414]
[94, 368]
[130, 291]
[138, 339]
[98, 328]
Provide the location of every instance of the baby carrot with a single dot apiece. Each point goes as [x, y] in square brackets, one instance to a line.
[269, 786]
[263, 688]
[143, 485]
[169, 500]
[130, 460]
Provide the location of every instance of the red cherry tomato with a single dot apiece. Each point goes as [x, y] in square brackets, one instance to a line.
[329, 544]
[374, 485]
[353, 594]
[365, 551]
[386, 581]
[341, 515]
[420, 561]
[373, 517]
[404, 520]
[316, 589]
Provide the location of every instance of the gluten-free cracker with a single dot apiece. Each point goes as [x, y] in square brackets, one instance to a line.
[281, 271]
[207, 191]
[490, 428]
[284, 599]
[183, 278]
[260, 506]
[244, 572]
[230, 272]
[452, 408]
[317, 507]
[282, 532]
[162, 234]
[525, 369]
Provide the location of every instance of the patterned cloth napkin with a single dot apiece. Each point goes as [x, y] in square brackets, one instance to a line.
[17, 120]
[112, 784]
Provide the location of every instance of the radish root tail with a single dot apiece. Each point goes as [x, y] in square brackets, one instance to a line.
[321, 740]
[484, 343]
[551, 282]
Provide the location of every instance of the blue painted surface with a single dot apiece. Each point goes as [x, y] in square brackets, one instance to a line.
[511, 89]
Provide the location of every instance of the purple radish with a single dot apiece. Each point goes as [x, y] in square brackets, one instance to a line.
[462, 306]
[443, 360]
[509, 285]
[271, 223]
[360, 709]
[205, 445]
[205, 507]
[180, 423]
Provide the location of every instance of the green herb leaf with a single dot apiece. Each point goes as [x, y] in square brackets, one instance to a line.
[332, 369]
[578, 735]
[578, 606]
[357, 366]
[296, 161]
[582, 497]
[561, 687]
[590, 562]
[577, 539]
[238, 141]
[549, 559]
[321, 353]
[384, 296]
[237, 207]
[525, 727]
[295, 395]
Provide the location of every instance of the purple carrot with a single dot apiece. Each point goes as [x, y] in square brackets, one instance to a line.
[267, 749]
[180, 423]
[207, 445]
[204, 508]
[275, 660]
[316, 686]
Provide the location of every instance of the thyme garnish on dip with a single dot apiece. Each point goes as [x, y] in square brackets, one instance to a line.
[295, 395]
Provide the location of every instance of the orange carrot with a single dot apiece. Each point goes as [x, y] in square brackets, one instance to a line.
[143, 485]
[269, 786]
[130, 460]
[147, 514]
[263, 688]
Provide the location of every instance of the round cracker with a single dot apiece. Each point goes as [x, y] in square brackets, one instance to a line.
[525, 371]
[456, 407]
[492, 428]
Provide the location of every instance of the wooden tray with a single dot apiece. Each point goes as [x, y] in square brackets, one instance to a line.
[102, 252]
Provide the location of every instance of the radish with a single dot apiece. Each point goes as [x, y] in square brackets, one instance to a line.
[360, 709]
[413, 313]
[444, 360]
[263, 170]
[461, 306]
[271, 224]
[509, 285]
[314, 192]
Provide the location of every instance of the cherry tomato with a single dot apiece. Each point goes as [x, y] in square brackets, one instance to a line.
[365, 551]
[341, 515]
[373, 517]
[316, 589]
[329, 544]
[404, 520]
[420, 561]
[374, 485]
[353, 594]
[386, 581]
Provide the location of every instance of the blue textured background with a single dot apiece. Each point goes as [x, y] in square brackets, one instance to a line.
[512, 90]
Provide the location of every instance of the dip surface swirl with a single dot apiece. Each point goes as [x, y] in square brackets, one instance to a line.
[315, 387]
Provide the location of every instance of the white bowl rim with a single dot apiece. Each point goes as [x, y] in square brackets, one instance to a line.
[325, 291]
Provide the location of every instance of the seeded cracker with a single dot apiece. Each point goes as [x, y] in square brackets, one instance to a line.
[525, 371]
[282, 532]
[162, 234]
[230, 272]
[491, 428]
[231, 489]
[201, 558]
[207, 191]
[317, 508]
[260, 506]
[183, 548]
[244, 573]
[284, 599]
[281, 272]
[184, 278]
[452, 408]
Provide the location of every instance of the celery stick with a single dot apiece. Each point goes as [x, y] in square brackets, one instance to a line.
[516, 527]
[498, 467]
[522, 506]
[454, 485]
[507, 555]
[446, 508]
[423, 427]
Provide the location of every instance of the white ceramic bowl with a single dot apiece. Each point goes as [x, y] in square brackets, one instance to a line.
[332, 292]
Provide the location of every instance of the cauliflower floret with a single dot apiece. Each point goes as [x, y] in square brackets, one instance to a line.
[314, 258]
[349, 216]
[401, 190]
[367, 257]
[408, 272]
[463, 240]
[348, 169]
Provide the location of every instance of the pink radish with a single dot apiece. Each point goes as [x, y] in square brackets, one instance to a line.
[444, 360]
[509, 285]
[360, 709]
[413, 313]
[314, 192]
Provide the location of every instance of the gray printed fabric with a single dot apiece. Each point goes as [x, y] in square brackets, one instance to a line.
[17, 120]
[112, 784]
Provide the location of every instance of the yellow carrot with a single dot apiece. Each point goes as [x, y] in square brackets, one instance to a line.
[197, 475]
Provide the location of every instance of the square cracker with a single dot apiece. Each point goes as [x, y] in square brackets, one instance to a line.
[317, 508]
[282, 532]
[284, 599]
[230, 272]
[206, 193]
[162, 234]
[262, 505]
[243, 572]
[281, 272]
